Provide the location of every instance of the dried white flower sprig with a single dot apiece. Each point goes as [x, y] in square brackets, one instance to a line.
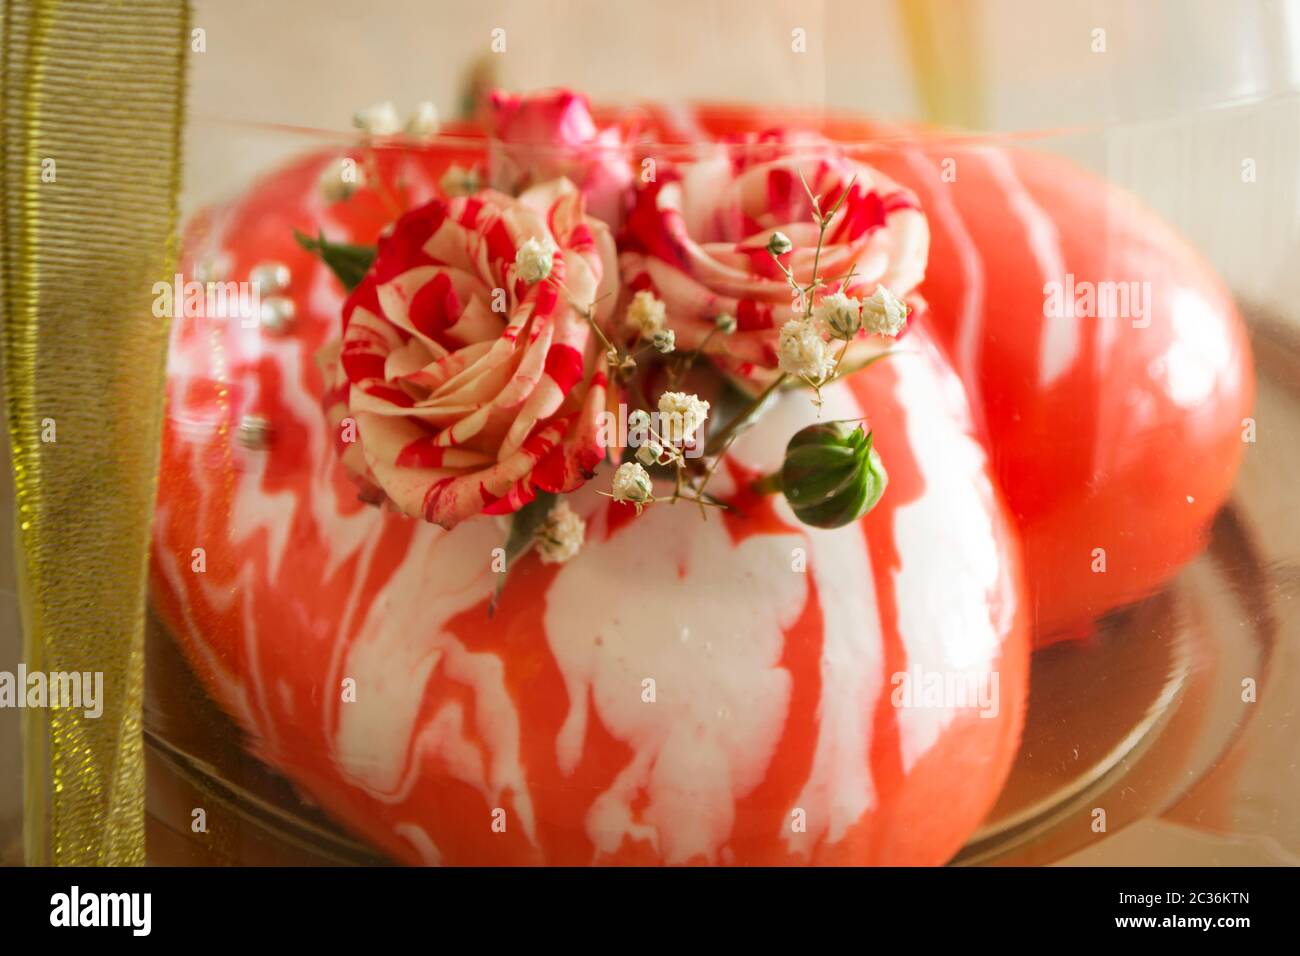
[646, 314]
[665, 341]
[840, 315]
[884, 313]
[340, 178]
[803, 352]
[458, 181]
[379, 119]
[424, 122]
[534, 260]
[632, 485]
[560, 535]
[681, 416]
[803, 345]
[382, 119]
[778, 244]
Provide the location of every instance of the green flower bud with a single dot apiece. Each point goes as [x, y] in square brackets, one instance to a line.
[831, 475]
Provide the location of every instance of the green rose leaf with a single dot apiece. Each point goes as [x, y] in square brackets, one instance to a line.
[523, 527]
[348, 262]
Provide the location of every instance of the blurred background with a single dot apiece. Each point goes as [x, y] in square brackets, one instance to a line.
[1165, 97]
[1161, 96]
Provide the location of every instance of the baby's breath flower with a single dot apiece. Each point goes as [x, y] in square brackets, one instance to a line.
[458, 181]
[649, 453]
[632, 484]
[884, 313]
[381, 119]
[639, 419]
[680, 415]
[665, 340]
[340, 179]
[560, 536]
[725, 323]
[646, 313]
[803, 352]
[840, 315]
[424, 121]
[533, 261]
[779, 244]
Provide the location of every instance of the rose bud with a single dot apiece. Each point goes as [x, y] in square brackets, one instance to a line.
[537, 137]
[831, 475]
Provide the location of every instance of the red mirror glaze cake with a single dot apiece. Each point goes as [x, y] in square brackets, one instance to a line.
[741, 658]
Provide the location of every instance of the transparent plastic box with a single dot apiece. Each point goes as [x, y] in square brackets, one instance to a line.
[1090, 504]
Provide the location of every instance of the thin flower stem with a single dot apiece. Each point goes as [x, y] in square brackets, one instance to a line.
[704, 502]
[867, 363]
[842, 279]
[638, 393]
[838, 359]
[723, 438]
[609, 346]
[588, 312]
[676, 375]
[823, 223]
[768, 484]
[732, 431]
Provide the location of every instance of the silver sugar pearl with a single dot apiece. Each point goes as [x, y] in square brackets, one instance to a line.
[277, 314]
[270, 277]
[212, 268]
[254, 432]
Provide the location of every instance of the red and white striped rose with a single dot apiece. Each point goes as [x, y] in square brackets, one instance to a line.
[470, 388]
[698, 238]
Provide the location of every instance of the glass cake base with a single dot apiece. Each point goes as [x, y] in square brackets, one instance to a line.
[1128, 720]
[1134, 720]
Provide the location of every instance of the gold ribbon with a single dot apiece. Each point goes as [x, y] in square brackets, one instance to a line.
[943, 39]
[92, 103]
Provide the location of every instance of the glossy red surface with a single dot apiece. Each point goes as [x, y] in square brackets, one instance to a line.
[1115, 466]
[774, 737]
[1115, 437]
